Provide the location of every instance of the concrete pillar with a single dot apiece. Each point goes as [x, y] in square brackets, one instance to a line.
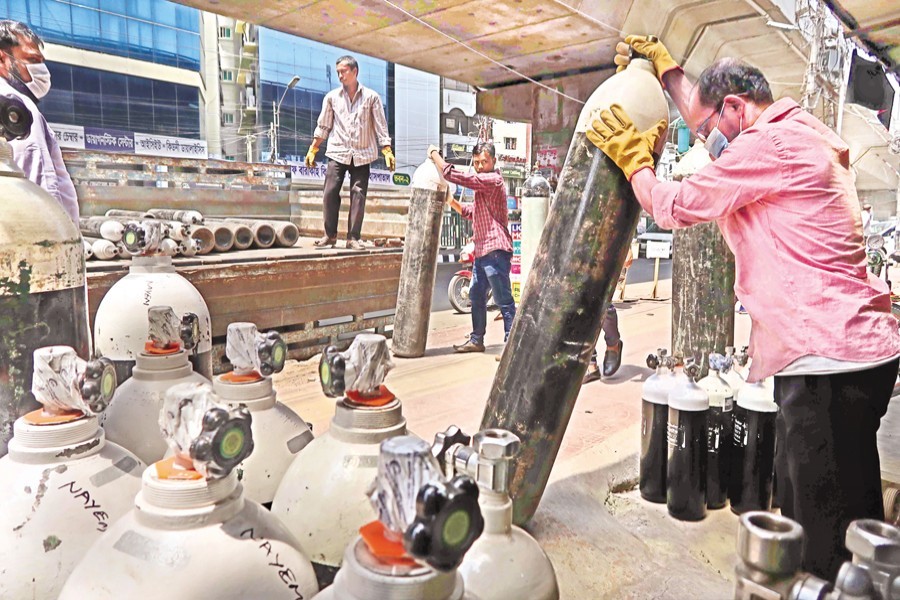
[702, 293]
[702, 281]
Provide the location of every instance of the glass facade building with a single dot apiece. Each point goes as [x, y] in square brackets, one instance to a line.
[95, 98]
[281, 56]
[152, 30]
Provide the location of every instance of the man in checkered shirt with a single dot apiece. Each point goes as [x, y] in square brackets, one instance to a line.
[493, 243]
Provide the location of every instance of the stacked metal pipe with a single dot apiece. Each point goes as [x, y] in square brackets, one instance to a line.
[185, 232]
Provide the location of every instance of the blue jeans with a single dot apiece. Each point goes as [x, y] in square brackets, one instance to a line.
[492, 270]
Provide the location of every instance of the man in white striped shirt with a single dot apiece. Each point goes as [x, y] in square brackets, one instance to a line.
[353, 116]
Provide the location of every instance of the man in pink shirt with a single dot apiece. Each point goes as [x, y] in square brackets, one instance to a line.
[493, 242]
[781, 190]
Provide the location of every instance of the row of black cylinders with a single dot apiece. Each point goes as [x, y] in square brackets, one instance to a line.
[697, 455]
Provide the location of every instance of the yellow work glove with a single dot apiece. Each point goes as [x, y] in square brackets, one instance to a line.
[614, 133]
[311, 156]
[650, 47]
[389, 158]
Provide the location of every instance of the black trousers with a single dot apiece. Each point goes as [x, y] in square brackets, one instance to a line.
[826, 458]
[359, 186]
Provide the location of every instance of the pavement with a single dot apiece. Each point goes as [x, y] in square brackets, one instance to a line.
[603, 539]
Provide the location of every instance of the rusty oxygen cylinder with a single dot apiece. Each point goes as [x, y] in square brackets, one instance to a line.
[417, 272]
[43, 298]
[574, 273]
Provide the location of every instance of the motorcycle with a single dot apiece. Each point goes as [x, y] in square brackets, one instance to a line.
[876, 254]
[879, 260]
[458, 290]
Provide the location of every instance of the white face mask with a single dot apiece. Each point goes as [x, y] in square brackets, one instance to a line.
[40, 79]
[716, 142]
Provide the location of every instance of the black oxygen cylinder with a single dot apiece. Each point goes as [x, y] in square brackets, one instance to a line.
[753, 455]
[720, 432]
[578, 261]
[687, 433]
[654, 423]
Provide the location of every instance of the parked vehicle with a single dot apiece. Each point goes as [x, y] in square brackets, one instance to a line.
[879, 262]
[653, 233]
[458, 290]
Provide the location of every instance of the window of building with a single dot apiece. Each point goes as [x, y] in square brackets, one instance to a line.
[227, 75]
[229, 157]
[227, 118]
[114, 101]
[509, 143]
[151, 30]
[225, 33]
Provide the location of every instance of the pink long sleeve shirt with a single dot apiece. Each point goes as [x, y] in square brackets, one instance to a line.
[783, 196]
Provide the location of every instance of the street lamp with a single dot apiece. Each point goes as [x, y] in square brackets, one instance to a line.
[275, 119]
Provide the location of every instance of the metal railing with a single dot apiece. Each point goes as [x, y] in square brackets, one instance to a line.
[455, 231]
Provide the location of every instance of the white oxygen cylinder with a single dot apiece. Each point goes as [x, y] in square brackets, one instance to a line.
[425, 525]
[322, 497]
[192, 533]
[131, 419]
[279, 432]
[63, 483]
[120, 325]
[505, 562]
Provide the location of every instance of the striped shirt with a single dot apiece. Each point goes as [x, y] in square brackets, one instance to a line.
[358, 127]
[488, 212]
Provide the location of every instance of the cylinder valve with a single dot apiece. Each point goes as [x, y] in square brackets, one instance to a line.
[436, 519]
[66, 384]
[250, 351]
[360, 370]
[205, 435]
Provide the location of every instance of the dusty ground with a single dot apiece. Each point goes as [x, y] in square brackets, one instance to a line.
[603, 539]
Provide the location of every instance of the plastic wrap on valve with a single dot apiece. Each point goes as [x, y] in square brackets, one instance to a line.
[719, 362]
[405, 464]
[248, 350]
[164, 326]
[65, 383]
[203, 433]
[367, 363]
[362, 368]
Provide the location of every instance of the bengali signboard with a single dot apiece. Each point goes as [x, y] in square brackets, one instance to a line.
[68, 136]
[104, 139]
[300, 173]
[515, 272]
[108, 140]
[163, 145]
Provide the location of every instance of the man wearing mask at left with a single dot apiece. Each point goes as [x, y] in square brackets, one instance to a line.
[24, 74]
